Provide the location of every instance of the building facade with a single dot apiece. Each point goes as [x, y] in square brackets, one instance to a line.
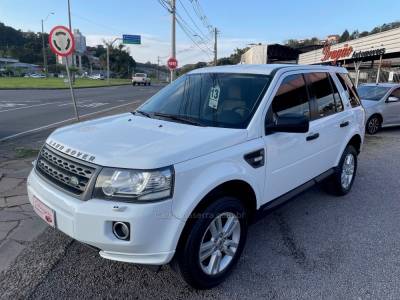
[374, 58]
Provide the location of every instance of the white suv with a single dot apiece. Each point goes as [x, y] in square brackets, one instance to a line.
[180, 179]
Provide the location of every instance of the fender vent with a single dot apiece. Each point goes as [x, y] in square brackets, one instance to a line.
[255, 159]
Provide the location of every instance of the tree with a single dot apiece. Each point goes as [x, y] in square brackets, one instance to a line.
[344, 37]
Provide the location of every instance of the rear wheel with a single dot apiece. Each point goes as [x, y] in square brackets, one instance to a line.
[213, 244]
[374, 123]
[341, 181]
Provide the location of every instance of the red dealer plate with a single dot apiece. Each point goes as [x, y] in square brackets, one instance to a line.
[45, 212]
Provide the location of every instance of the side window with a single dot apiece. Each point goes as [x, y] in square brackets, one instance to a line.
[321, 91]
[396, 93]
[349, 87]
[291, 97]
[338, 100]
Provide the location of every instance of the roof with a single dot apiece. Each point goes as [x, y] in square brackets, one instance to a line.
[265, 69]
[384, 84]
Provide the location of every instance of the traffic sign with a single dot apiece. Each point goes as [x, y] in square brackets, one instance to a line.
[131, 39]
[61, 41]
[172, 63]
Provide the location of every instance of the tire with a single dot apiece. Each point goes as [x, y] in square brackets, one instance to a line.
[340, 183]
[373, 125]
[133, 83]
[199, 273]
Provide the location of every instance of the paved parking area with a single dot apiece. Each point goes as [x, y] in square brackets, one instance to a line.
[316, 246]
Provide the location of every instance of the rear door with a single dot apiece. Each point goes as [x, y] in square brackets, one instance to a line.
[391, 111]
[329, 119]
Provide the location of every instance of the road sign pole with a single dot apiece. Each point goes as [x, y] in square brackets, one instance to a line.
[71, 88]
[173, 36]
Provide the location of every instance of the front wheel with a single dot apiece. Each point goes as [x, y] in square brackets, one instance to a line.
[341, 181]
[213, 244]
[373, 125]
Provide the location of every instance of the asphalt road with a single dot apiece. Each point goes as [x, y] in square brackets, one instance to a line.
[27, 110]
[315, 247]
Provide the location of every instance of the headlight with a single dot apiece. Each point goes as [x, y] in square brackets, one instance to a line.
[134, 185]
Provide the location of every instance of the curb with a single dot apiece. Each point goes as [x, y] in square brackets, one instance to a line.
[63, 88]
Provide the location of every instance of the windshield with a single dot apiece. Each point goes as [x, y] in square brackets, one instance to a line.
[140, 75]
[210, 99]
[374, 93]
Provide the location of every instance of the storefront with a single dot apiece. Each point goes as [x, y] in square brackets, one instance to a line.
[374, 58]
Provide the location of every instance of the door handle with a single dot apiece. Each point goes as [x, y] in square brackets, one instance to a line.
[312, 137]
[344, 124]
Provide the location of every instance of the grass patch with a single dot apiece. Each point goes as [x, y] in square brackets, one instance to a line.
[54, 83]
[25, 152]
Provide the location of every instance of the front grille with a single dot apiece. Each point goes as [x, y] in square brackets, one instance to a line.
[63, 172]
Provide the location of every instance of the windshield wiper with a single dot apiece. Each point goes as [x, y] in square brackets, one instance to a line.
[179, 119]
[142, 113]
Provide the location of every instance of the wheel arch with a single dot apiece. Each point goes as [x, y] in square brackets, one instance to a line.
[378, 114]
[356, 142]
[236, 188]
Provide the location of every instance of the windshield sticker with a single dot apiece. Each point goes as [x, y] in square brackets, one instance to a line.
[214, 97]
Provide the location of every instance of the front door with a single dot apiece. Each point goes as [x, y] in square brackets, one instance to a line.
[391, 111]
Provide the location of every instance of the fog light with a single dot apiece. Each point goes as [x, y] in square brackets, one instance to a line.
[121, 230]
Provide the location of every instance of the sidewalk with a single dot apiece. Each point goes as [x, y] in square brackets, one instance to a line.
[19, 225]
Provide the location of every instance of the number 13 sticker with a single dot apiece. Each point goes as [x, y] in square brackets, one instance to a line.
[214, 97]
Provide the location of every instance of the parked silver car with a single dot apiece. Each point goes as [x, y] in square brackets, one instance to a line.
[382, 105]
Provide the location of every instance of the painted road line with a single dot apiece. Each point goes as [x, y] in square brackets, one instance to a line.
[29, 106]
[64, 121]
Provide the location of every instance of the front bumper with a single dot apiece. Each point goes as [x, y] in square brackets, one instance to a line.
[154, 230]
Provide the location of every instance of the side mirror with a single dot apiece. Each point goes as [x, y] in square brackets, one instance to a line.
[392, 99]
[289, 123]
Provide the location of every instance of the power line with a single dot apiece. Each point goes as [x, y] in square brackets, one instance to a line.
[201, 15]
[194, 23]
[187, 29]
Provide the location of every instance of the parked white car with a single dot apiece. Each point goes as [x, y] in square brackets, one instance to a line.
[180, 179]
[97, 76]
[35, 75]
[382, 105]
[141, 78]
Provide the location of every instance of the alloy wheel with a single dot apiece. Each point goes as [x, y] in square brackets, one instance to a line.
[219, 243]
[347, 170]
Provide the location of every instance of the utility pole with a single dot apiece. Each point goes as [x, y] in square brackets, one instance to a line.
[108, 64]
[158, 68]
[215, 45]
[173, 35]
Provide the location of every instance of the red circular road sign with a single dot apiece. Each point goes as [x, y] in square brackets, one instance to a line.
[172, 63]
[61, 41]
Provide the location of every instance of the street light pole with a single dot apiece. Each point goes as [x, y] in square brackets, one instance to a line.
[173, 35]
[70, 28]
[44, 52]
[44, 47]
[108, 58]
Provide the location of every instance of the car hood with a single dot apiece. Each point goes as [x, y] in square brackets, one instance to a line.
[128, 141]
[369, 103]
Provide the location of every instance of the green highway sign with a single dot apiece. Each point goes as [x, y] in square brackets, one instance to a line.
[131, 39]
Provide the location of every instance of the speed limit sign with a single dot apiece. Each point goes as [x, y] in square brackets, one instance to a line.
[61, 41]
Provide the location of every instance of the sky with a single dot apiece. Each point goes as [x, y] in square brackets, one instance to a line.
[240, 22]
